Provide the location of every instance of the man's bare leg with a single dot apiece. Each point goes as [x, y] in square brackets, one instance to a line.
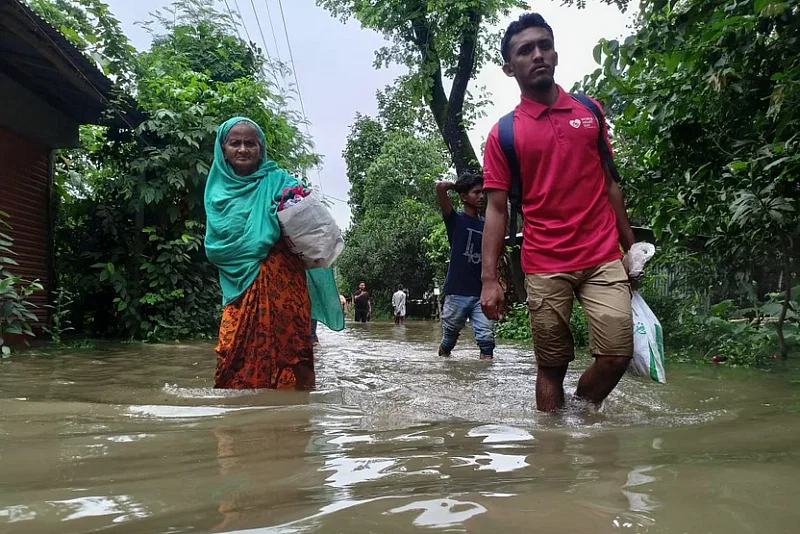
[600, 378]
[550, 388]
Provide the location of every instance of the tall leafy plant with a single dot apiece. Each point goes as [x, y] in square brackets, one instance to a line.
[15, 308]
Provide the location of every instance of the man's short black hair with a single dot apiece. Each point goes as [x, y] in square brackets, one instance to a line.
[467, 181]
[399, 287]
[528, 20]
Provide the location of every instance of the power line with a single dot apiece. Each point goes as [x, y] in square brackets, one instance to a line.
[291, 60]
[272, 28]
[239, 11]
[233, 21]
[260, 30]
[297, 84]
[334, 198]
[249, 39]
[282, 82]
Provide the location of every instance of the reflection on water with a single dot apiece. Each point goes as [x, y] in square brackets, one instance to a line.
[394, 439]
[441, 512]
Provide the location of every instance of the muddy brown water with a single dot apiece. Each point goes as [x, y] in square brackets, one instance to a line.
[133, 439]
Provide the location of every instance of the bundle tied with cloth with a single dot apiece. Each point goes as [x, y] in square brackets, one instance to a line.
[243, 226]
[308, 227]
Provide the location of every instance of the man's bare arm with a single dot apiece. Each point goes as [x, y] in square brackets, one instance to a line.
[626, 237]
[442, 196]
[494, 234]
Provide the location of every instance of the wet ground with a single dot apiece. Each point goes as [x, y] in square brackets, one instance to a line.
[133, 439]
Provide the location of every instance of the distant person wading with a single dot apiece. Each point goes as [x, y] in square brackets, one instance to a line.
[362, 304]
[399, 305]
[462, 287]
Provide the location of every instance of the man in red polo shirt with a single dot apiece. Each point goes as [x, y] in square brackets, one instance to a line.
[574, 222]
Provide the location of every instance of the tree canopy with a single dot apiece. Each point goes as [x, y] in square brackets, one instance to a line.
[392, 167]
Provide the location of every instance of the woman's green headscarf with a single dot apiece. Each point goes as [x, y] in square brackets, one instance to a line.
[242, 226]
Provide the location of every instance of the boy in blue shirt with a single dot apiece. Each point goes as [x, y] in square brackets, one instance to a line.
[462, 287]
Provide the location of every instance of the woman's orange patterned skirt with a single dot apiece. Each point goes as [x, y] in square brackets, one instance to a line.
[265, 336]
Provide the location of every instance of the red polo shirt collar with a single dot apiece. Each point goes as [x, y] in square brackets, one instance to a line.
[535, 109]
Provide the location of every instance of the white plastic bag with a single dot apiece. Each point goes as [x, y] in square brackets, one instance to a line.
[648, 342]
[637, 256]
[311, 231]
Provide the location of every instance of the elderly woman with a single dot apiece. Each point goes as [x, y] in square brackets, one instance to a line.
[264, 337]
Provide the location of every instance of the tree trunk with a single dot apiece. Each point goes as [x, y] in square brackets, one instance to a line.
[448, 111]
[460, 148]
[787, 298]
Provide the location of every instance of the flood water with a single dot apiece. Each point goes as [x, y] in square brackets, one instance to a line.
[133, 439]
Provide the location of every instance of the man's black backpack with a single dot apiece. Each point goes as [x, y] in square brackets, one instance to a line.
[505, 134]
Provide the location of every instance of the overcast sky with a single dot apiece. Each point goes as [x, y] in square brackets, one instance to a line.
[333, 63]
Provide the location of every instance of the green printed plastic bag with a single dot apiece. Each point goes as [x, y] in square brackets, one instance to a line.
[648, 342]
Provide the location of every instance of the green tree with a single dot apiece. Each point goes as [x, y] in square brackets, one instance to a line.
[393, 162]
[442, 42]
[437, 251]
[405, 168]
[387, 249]
[364, 143]
[388, 241]
[16, 312]
[400, 111]
[705, 98]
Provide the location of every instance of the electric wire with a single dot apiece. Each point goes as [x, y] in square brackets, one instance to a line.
[297, 84]
[260, 30]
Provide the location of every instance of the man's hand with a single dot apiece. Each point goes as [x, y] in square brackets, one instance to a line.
[635, 281]
[493, 300]
[615, 198]
[442, 197]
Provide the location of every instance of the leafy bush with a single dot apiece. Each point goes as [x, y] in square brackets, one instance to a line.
[735, 343]
[516, 324]
[705, 150]
[691, 333]
[694, 331]
[15, 309]
[59, 316]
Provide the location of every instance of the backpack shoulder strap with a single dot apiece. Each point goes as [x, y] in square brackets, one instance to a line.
[589, 103]
[505, 135]
[602, 147]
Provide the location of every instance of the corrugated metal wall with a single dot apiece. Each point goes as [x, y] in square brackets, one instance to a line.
[24, 195]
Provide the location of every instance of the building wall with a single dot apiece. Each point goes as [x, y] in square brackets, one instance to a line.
[25, 177]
